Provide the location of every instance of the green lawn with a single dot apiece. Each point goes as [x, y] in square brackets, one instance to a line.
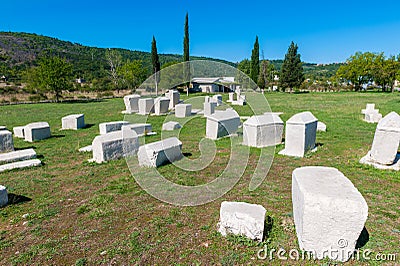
[87, 214]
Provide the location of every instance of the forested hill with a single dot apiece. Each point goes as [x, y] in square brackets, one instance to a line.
[19, 51]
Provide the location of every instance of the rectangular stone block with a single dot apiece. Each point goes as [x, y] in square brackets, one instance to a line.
[209, 108]
[161, 152]
[6, 141]
[231, 96]
[222, 123]
[263, 131]
[161, 105]
[19, 132]
[20, 165]
[218, 99]
[146, 106]
[3, 196]
[115, 145]
[173, 97]
[37, 131]
[301, 131]
[183, 110]
[241, 218]
[108, 127]
[171, 125]
[131, 103]
[328, 211]
[20, 155]
[75, 121]
[141, 129]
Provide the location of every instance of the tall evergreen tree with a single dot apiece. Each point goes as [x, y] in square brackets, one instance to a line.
[255, 61]
[291, 75]
[155, 62]
[186, 68]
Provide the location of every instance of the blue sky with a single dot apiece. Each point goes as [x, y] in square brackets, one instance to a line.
[325, 31]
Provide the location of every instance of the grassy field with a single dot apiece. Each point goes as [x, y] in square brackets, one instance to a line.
[87, 214]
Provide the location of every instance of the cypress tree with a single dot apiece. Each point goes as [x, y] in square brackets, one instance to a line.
[186, 40]
[155, 62]
[291, 75]
[255, 61]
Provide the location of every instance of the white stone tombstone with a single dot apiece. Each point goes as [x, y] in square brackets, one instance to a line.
[386, 143]
[321, 126]
[241, 218]
[6, 141]
[231, 97]
[37, 131]
[141, 129]
[161, 152]
[131, 104]
[108, 127]
[369, 108]
[373, 117]
[161, 105]
[115, 145]
[171, 125]
[75, 121]
[3, 196]
[3, 128]
[174, 98]
[300, 134]
[207, 99]
[263, 130]
[222, 123]
[329, 212]
[19, 132]
[209, 108]
[19, 155]
[183, 110]
[218, 99]
[146, 106]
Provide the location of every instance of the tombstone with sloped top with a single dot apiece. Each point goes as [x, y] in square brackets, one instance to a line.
[263, 131]
[6, 141]
[222, 123]
[300, 134]
[75, 121]
[131, 104]
[37, 131]
[183, 110]
[160, 152]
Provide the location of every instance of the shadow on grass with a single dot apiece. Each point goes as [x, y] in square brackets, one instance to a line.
[16, 199]
[57, 136]
[187, 154]
[89, 125]
[362, 239]
[319, 144]
[25, 148]
[69, 101]
[269, 223]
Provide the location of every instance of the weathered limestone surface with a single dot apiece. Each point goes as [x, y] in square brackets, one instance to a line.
[115, 145]
[183, 110]
[218, 99]
[20, 155]
[6, 141]
[19, 132]
[21, 164]
[146, 106]
[321, 126]
[3, 196]
[300, 134]
[171, 125]
[173, 97]
[108, 127]
[161, 105]
[371, 115]
[241, 218]
[75, 121]
[37, 131]
[131, 104]
[141, 129]
[209, 108]
[263, 130]
[161, 152]
[329, 212]
[383, 153]
[222, 123]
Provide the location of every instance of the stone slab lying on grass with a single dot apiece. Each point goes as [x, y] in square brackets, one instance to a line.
[141, 129]
[6, 141]
[131, 104]
[263, 131]
[241, 218]
[21, 164]
[222, 123]
[37, 131]
[108, 127]
[171, 125]
[115, 145]
[329, 212]
[20, 155]
[75, 121]
[3, 196]
[19, 132]
[88, 148]
[321, 126]
[300, 134]
[161, 152]
[146, 106]
[183, 110]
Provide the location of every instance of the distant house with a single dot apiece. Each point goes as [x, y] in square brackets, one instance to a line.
[80, 80]
[397, 83]
[213, 85]
[3, 78]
